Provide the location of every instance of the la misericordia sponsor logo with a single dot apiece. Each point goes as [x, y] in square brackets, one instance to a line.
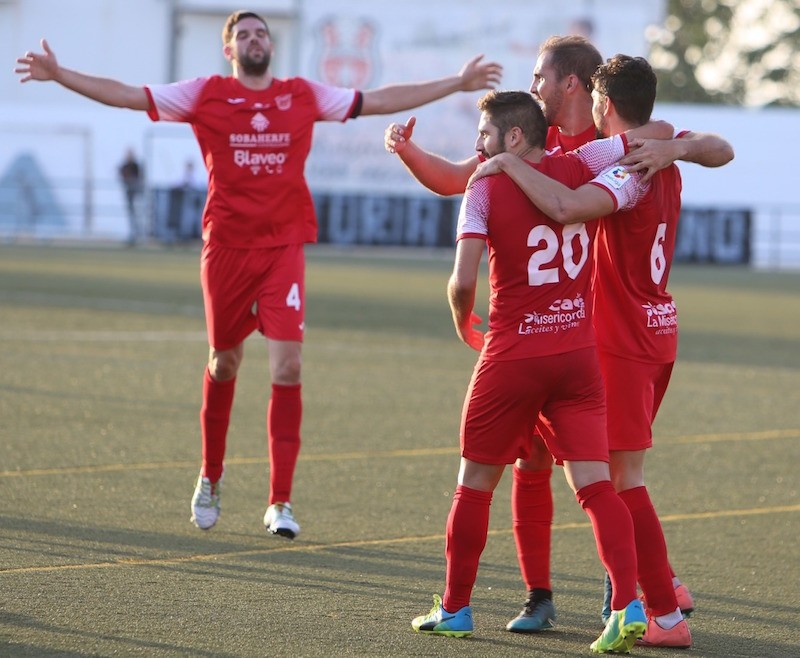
[661, 316]
[561, 315]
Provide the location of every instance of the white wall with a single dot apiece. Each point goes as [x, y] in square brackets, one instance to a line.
[133, 41]
[761, 170]
[762, 176]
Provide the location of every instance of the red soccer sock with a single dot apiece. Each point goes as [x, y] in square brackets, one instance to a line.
[467, 528]
[651, 552]
[532, 515]
[284, 414]
[215, 414]
[613, 532]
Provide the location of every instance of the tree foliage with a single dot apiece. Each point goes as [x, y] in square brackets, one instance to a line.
[743, 52]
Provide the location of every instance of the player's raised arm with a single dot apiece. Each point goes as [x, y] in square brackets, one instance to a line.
[44, 66]
[438, 174]
[474, 75]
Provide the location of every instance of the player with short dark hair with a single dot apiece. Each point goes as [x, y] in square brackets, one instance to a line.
[255, 132]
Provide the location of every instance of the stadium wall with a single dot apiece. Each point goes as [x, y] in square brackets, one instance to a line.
[59, 152]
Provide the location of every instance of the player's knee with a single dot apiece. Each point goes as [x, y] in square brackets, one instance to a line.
[623, 481]
[627, 470]
[286, 372]
[223, 366]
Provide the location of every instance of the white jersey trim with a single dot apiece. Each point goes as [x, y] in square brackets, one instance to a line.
[473, 216]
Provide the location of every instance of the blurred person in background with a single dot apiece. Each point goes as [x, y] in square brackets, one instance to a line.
[131, 176]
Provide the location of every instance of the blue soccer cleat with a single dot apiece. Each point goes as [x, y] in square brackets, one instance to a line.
[535, 617]
[440, 622]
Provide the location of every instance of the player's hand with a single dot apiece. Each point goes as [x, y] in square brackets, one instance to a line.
[38, 66]
[490, 167]
[476, 74]
[650, 155]
[472, 336]
[396, 136]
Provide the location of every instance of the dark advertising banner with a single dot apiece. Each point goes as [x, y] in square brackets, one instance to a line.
[709, 235]
[705, 235]
[380, 219]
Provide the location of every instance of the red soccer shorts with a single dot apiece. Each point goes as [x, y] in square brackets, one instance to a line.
[634, 391]
[248, 289]
[505, 397]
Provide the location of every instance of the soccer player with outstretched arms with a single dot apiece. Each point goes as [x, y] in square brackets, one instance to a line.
[254, 131]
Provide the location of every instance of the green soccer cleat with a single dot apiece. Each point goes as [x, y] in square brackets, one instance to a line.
[624, 627]
[440, 622]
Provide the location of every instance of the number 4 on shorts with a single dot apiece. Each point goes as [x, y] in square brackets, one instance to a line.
[293, 298]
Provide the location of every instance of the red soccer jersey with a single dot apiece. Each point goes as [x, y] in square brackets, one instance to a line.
[539, 270]
[254, 144]
[635, 316]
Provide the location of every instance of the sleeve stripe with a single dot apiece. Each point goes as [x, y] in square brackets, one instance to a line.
[467, 234]
[152, 111]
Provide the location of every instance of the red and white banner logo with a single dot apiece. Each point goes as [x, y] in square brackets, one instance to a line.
[347, 52]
